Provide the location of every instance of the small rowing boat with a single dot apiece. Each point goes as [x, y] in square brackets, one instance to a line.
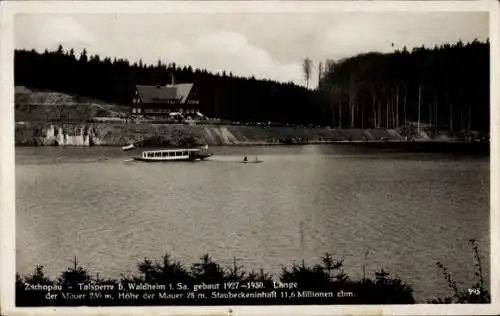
[128, 147]
[245, 160]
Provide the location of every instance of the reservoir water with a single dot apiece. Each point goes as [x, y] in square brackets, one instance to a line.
[398, 211]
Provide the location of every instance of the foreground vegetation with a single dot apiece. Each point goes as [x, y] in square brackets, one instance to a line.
[477, 293]
[326, 277]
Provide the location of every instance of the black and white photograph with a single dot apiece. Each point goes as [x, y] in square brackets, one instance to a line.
[186, 155]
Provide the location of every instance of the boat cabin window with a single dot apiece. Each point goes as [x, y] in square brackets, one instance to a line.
[161, 154]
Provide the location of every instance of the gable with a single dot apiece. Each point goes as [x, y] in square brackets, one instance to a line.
[156, 94]
[182, 91]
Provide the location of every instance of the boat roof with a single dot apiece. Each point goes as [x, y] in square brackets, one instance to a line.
[171, 150]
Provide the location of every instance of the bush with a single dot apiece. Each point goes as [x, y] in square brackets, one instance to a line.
[477, 293]
[326, 277]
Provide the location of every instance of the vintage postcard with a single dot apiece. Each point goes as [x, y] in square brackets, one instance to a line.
[236, 158]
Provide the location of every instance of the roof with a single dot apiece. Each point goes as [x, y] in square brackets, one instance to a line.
[183, 90]
[156, 94]
[171, 150]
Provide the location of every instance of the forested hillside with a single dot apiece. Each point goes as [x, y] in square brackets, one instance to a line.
[113, 80]
[446, 87]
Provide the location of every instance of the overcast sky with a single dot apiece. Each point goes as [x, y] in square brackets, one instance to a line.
[264, 45]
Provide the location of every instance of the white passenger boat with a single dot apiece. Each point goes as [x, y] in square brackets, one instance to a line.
[174, 155]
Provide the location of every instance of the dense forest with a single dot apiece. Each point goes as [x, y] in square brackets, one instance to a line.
[221, 95]
[446, 87]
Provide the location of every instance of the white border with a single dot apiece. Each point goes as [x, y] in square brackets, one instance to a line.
[7, 158]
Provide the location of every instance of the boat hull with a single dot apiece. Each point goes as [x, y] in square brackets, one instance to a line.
[161, 160]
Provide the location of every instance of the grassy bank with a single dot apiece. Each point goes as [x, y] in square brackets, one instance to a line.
[208, 283]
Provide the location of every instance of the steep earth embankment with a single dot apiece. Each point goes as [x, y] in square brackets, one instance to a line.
[35, 109]
[51, 118]
[119, 134]
[47, 106]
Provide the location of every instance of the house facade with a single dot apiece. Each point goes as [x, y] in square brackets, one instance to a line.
[165, 101]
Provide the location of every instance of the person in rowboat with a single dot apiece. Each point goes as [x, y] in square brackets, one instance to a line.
[245, 159]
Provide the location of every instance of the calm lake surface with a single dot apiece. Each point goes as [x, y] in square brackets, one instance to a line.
[407, 210]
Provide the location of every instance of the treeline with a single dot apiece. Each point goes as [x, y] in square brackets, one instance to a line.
[221, 95]
[179, 282]
[446, 87]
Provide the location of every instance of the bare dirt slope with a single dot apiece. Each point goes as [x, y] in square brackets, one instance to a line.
[39, 106]
[42, 115]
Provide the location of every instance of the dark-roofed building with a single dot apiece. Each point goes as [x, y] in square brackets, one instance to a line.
[161, 101]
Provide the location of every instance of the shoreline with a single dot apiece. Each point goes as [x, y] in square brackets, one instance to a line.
[397, 146]
[324, 142]
[189, 136]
